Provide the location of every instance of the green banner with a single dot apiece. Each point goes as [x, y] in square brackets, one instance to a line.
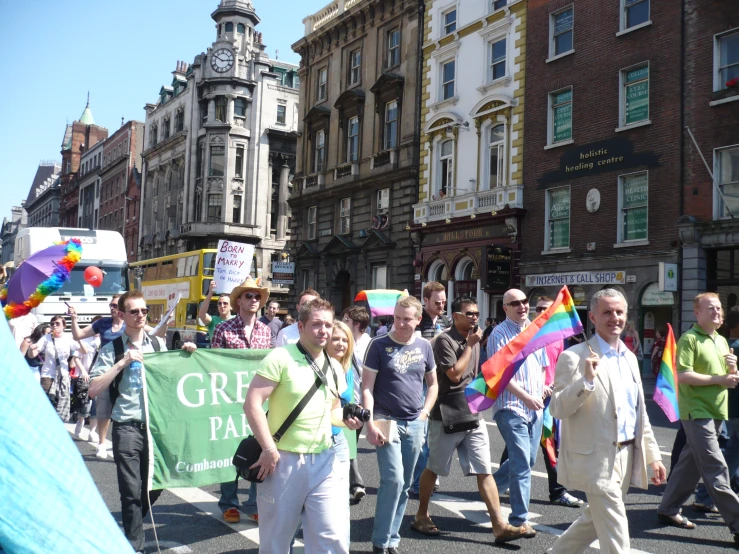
[635, 224]
[196, 414]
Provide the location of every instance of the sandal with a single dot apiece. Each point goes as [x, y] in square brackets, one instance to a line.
[511, 533]
[425, 527]
[676, 521]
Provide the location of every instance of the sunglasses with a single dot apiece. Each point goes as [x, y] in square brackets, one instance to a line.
[142, 311]
[250, 295]
[517, 303]
[540, 309]
[470, 314]
[113, 306]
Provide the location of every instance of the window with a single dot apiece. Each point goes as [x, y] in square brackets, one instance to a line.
[312, 210]
[239, 169]
[217, 156]
[281, 113]
[383, 201]
[320, 149]
[229, 27]
[214, 208]
[153, 135]
[236, 214]
[497, 59]
[446, 168]
[560, 116]
[355, 63]
[241, 29]
[322, 83]
[240, 107]
[199, 161]
[166, 129]
[379, 277]
[447, 80]
[352, 140]
[391, 125]
[558, 215]
[634, 196]
[497, 4]
[561, 31]
[727, 173]
[393, 47]
[309, 279]
[635, 95]
[496, 147]
[179, 121]
[450, 21]
[728, 59]
[221, 103]
[345, 207]
[635, 13]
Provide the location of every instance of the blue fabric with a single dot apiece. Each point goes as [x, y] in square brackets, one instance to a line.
[423, 457]
[230, 498]
[49, 502]
[103, 327]
[396, 461]
[346, 398]
[522, 439]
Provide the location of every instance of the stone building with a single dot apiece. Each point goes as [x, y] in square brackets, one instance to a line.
[471, 183]
[356, 175]
[132, 209]
[42, 203]
[88, 184]
[10, 227]
[209, 172]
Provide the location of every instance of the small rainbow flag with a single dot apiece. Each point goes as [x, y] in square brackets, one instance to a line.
[381, 302]
[559, 322]
[665, 392]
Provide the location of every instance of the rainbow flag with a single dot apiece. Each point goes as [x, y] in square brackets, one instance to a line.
[665, 392]
[559, 322]
[381, 302]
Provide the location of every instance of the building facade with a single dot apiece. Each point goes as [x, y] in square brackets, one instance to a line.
[132, 209]
[709, 228]
[10, 227]
[467, 221]
[42, 203]
[356, 177]
[208, 173]
[121, 154]
[78, 138]
[88, 184]
[602, 154]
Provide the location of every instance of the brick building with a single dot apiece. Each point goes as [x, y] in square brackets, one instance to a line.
[88, 184]
[356, 178]
[121, 154]
[78, 137]
[709, 228]
[602, 153]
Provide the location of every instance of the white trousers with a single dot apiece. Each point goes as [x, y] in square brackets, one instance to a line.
[311, 486]
[604, 518]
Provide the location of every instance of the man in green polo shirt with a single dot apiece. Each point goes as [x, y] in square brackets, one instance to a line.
[706, 369]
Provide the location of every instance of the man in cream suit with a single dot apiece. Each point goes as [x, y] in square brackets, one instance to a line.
[607, 441]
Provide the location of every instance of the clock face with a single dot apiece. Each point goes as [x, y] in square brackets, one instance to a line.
[222, 60]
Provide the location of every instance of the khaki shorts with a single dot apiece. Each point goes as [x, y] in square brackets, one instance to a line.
[103, 408]
[473, 447]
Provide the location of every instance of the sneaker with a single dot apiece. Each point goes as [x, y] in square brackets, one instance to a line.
[78, 428]
[253, 517]
[102, 452]
[93, 437]
[358, 493]
[568, 500]
[704, 508]
[232, 515]
[437, 485]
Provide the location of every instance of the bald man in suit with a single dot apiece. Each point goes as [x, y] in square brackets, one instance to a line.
[607, 441]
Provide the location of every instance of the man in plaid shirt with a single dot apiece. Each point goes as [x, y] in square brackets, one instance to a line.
[243, 330]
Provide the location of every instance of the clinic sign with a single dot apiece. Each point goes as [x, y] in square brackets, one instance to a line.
[576, 278]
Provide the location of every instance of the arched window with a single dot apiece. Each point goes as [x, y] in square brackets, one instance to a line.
[464, 270]
[241, 29]
[496, 157]
[438, 272]
[445, 180]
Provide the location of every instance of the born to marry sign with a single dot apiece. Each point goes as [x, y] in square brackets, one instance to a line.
[233, 264]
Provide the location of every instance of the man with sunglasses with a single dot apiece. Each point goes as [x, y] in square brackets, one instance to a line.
[453, 429]
[243, 330]
[518, 412]
[224, 310]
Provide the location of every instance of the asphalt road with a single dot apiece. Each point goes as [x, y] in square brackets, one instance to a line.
[188, 520]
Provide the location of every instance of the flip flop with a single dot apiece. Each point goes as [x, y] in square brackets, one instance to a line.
[678, 521]
[425, 527]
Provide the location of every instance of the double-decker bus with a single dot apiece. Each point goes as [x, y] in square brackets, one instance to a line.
[162, 279]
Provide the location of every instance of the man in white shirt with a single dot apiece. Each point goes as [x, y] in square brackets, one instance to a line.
[290, 334]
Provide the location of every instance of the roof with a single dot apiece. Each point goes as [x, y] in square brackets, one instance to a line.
[86, 116]
[67, 140]
[44, 174]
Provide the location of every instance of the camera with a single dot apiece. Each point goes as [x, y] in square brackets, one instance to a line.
[353, 410]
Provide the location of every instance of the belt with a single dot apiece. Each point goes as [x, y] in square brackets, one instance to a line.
[137, 424]
[626, 443]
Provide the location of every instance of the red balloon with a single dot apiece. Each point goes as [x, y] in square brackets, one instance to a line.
[94, 276]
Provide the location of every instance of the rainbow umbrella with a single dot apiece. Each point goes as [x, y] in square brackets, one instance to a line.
[39, 276]
[381, 302]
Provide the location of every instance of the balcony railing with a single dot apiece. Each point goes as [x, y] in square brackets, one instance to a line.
[384, 158]
[465, 203]
[314, 180]
[346, 170]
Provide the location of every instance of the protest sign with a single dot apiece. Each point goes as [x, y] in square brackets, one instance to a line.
[233, 264]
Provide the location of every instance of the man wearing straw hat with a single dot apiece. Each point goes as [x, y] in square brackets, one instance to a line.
[243, 330]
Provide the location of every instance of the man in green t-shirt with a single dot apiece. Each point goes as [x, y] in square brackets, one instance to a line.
[224, 310]
[706, 369]
[298, 469]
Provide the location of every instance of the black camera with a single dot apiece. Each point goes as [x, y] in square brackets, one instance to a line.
[353, 410]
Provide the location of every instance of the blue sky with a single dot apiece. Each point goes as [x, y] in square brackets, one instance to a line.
[122, 52]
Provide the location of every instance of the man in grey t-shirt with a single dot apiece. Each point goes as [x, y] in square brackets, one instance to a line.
[271, 320]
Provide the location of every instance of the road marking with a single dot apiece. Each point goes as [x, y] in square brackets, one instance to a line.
[85, 435]
[169, 546]
[534, 473]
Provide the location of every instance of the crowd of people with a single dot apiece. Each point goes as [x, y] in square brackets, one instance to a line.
[410, 380]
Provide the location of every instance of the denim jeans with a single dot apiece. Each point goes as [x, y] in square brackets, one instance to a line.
[396, 461]
[131, 454]
[522, 440]
[230, 498]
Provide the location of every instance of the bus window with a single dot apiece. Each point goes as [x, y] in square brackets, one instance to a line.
[209, 263]
[182, 268]
[150, 272]
[191, 314]
[192, 266]
[206, 287]
[167, 270]
[155, 313]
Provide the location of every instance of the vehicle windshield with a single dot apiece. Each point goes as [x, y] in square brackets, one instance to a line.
[115, 281]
